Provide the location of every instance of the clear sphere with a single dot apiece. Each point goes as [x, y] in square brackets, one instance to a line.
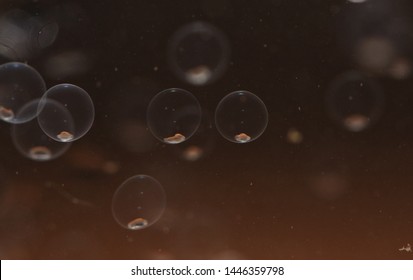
[354, 101]
[55, 123]
[19, 84]
[198, 53]
[44, 33]
[23, 35]
[31, 141]
[241, 117]
[139, 202]
[173, 115]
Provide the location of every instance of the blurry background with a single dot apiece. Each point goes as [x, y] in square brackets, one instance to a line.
[320, 183]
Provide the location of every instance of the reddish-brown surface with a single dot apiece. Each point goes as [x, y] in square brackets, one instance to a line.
[335, 195]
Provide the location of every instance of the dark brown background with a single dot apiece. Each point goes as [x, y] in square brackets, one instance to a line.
[254, 201]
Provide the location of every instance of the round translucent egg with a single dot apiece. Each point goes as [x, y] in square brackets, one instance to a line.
[198, 53]
[55, 123]
[173, 115]
[19, 84]
[138, 202]
[31, 141]
[355, 101]
[241, 117]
